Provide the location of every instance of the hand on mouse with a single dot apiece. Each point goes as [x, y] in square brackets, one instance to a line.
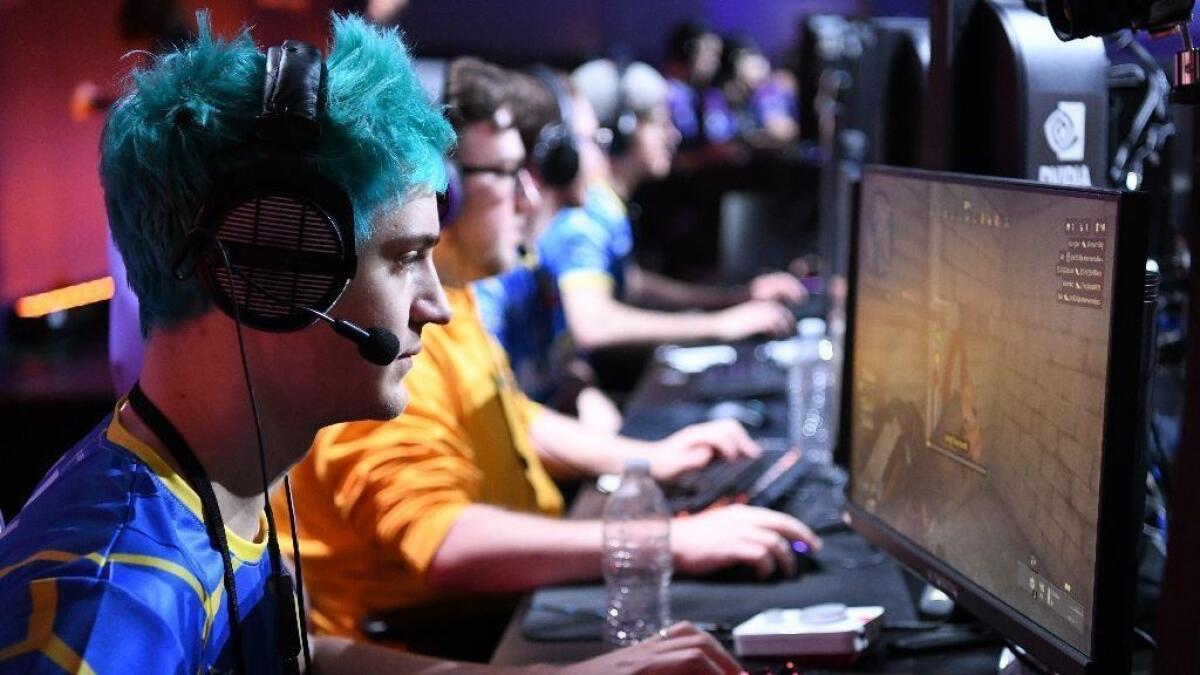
[739, 535]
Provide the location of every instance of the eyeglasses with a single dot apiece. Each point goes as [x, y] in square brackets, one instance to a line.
[519, 174]
[502, 171]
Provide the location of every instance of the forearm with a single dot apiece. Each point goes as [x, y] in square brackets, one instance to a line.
[338, 656]
[569, 449]
[649, 288]
[600, 321]
[491, 550]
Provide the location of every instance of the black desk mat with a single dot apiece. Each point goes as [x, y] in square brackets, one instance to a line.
[851, 572]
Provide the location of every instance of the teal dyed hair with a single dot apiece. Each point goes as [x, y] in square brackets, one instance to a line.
[380, 140]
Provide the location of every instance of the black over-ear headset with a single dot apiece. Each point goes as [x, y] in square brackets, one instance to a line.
[625, 121]
[287, 231]
[449, 201]
[556, 152]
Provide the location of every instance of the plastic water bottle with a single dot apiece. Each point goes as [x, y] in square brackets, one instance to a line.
[637, 558]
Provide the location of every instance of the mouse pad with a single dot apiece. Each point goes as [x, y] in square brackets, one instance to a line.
[851, 571]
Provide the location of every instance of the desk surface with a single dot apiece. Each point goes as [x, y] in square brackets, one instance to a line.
[514, 649]
[851, 572]
[877, 582]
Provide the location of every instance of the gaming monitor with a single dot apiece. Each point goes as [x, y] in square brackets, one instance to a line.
[992, 389]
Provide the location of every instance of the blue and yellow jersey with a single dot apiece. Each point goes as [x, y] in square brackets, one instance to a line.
[108, 569]
[523, 310]
[590, 245]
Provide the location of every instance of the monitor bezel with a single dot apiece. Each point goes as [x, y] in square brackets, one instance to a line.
[1122, 473]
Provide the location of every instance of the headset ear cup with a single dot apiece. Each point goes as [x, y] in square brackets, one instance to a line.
[625, 123]
[556, 156]
[622, 133]
[449, 201]
[566, 162]
[556, 152]
[286, 231]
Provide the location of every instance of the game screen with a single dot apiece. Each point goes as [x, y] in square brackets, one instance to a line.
[979, 367]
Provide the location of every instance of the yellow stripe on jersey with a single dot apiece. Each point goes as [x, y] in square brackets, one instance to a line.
[48, 555]
[41, 631]
[239, 546]
[210, 608]
[210, 601]
[578, 279]
[117, 433]
[64, 657]
[167, 566]
[127, 558]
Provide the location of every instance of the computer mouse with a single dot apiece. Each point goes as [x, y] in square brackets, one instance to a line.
[805, 560]
[752, 414]
[746, 574]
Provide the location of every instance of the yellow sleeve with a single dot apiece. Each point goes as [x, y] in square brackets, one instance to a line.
[530, 409]
[403, 482]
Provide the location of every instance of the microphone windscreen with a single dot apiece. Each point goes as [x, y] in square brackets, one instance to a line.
[380, 347]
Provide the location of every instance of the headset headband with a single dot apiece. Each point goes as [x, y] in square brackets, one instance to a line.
[556, 152]
[293, 101]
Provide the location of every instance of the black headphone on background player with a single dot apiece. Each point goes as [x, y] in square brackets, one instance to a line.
[449, 201]
[624, 122]
[556, 152]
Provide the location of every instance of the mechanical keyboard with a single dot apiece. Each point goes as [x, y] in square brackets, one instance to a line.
[745, 378]
[780, 478]
[749, 481]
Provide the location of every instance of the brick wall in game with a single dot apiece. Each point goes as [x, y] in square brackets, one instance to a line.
[1048, 420]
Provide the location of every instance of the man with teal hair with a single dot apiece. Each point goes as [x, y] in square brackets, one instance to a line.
[110, 566]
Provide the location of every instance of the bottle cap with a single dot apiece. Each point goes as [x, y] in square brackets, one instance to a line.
[637, 465]
[812, 326]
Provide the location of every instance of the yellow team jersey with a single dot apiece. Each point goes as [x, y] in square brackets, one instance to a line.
[374, 500]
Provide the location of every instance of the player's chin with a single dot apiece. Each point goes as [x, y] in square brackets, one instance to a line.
[662, 167]
[395, 400]
[505, 261]
[389, 401]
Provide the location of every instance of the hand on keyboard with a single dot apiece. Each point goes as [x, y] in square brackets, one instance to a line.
[781, 286]
[755, 317]
[739, 535]
[684, 650]
[695, 446]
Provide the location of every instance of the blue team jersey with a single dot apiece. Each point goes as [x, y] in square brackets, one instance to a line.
[522, 309]
[591, 244]
[108, 569]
